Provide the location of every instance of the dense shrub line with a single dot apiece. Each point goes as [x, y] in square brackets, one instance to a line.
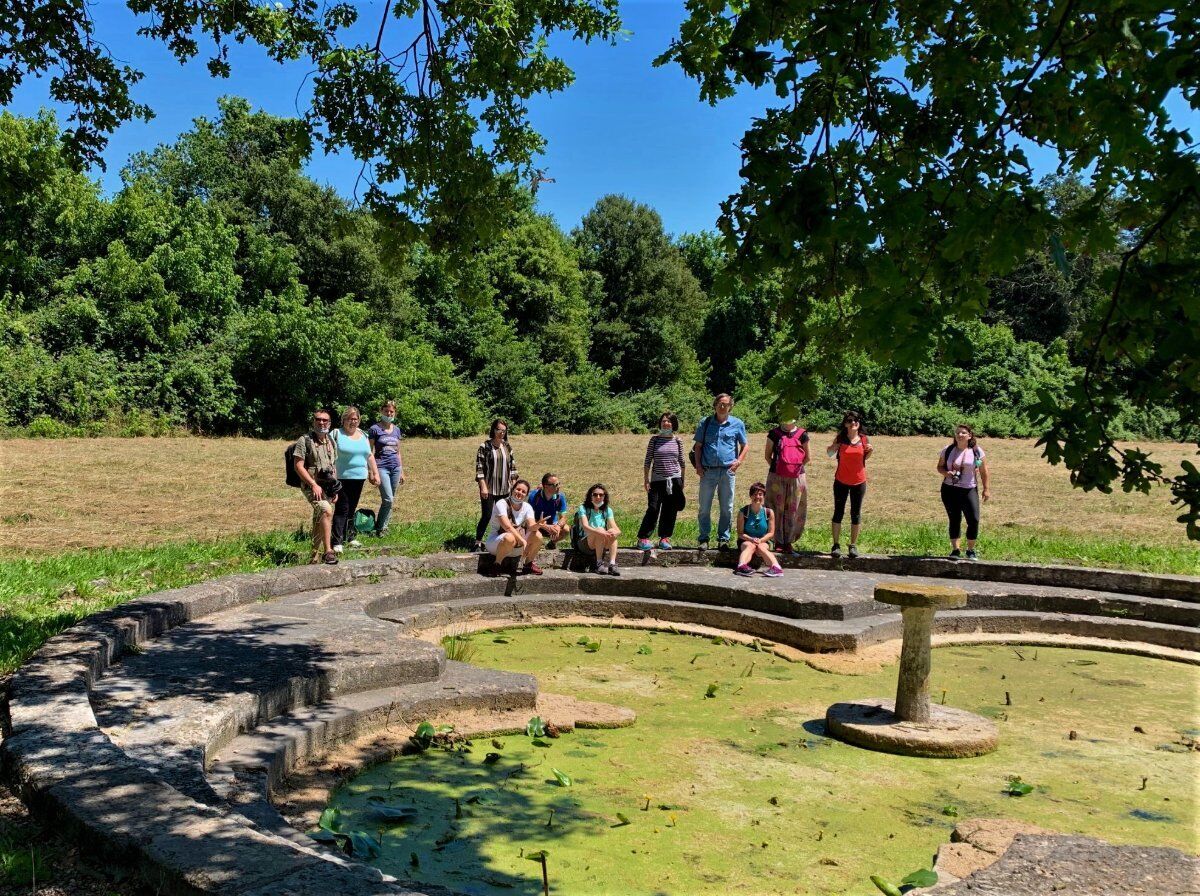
[222, 291]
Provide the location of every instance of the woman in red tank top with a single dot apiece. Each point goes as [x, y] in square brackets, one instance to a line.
[851, 447]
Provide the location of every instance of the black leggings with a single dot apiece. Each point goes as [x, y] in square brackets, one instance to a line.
[485, 514]
[661, 509]
[960, 502]
[855, 493]
[343, 511]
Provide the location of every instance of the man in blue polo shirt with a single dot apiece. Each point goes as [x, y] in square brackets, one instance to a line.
[720, 447]
[550, 509]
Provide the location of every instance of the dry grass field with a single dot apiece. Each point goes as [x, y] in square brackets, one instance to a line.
[87, 493]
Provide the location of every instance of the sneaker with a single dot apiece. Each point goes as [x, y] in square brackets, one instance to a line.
[702, 546]
[664, 544]
[532, 569]
[955, 554]
[643, 544]
[971, 555]
[743, 570]
[722, 546]
[337, 549]
[774, 572]
[354, 543]
[478, 548]
[836, 551]
[853, 552]
[612, 570]
[601, 567]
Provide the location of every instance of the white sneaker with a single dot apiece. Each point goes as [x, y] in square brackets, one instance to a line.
[337, 549]
[355, 543]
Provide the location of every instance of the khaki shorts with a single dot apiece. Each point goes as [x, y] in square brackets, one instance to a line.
[320, 508]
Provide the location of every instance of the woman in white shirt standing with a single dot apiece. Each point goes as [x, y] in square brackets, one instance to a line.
[961, 463]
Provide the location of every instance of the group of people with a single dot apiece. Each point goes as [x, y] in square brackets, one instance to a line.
[516, 521]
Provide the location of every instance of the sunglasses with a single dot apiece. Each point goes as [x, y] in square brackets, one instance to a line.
[599, 494]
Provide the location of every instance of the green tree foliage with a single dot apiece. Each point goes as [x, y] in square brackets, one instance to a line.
[412, 98]
[647, 306]
[896, 161]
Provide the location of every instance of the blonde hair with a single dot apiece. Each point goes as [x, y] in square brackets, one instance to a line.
[346, 413]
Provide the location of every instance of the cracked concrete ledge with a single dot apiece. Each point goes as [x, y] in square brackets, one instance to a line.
[86, 710]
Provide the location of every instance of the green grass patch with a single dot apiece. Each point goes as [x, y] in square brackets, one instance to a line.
[42, 595]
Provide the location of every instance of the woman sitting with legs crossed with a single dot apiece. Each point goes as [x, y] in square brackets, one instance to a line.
[755, 529]
[513, 532]
[595, 531]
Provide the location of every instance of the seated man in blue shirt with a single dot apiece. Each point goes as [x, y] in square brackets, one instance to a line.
[720, 447]
[550, 510]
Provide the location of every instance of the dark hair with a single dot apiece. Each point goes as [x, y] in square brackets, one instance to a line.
[674, 420]
[328, 412]
[497, 422]
[968, 428]
[721, 395]
[842, 435]
[546, 477]
[588, 500]
[758, 486]
[523, 482]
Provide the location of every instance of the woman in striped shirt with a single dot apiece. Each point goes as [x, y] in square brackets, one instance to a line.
[495, 471]
[663, 475]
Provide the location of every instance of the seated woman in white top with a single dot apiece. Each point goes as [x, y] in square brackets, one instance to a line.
[514, 528]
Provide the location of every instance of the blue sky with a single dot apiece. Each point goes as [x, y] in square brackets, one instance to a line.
[623, 127]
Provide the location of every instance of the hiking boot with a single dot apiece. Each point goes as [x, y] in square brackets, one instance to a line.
[702, 547]
[853, 552]
[836, 551]
[478, 548]
[664, 544]
[774, 572]
[722, 545]
[971, 555]
[612, 569]
[532, 568]
[743, 570]
[955, 554]
[601, 568]
[643, 544]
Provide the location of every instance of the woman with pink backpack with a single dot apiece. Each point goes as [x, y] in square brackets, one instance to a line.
[787, 488]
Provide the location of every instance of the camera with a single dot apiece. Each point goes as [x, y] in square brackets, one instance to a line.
[329, 482]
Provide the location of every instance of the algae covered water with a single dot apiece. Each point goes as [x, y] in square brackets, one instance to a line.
[741, 791]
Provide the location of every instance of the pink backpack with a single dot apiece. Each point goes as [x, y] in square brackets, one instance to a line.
[790, 454]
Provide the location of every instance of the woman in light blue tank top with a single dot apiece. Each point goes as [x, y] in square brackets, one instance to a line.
[355, 465]
[756, 528]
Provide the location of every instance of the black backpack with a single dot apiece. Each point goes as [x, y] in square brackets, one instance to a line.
[291, 477]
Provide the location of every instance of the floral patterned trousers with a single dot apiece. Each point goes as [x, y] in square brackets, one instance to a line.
[789, 499]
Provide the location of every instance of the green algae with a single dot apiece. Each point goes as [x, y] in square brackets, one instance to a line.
[743, 792]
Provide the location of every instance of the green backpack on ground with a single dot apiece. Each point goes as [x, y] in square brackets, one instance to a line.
[364, 521]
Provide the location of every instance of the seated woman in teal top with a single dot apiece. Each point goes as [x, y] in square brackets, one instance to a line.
[595, 531]
[756, 528]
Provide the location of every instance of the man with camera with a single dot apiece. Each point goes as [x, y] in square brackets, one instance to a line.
[315, 459]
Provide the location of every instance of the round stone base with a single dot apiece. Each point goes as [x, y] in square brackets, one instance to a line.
[950, 733]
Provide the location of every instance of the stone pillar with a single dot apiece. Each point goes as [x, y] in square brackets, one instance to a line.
[912, 690]
[910, 725]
